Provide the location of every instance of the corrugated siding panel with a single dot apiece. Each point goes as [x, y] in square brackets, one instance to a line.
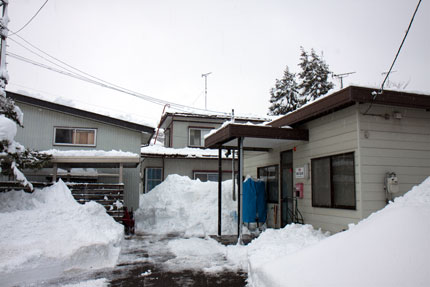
[38, 134]
[329, 135]
[393, 145]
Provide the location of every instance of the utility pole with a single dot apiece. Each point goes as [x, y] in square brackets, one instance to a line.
[206, 88]
[341, 76]
[3, 34]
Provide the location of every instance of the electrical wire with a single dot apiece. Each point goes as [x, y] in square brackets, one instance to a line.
[374, 93]
[31, 19]
[96, 80]
[122, 112]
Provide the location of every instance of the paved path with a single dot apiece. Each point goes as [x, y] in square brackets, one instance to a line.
[145, 261]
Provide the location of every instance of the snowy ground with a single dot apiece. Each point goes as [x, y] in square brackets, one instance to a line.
[47, 233]
[389, 248]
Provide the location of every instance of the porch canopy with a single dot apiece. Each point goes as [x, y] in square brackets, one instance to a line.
[252, 138]
[116, 161]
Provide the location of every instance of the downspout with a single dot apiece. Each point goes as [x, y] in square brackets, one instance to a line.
[159, 124]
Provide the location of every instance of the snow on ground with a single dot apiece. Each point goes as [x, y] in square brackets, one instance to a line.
[46, 233]
[189, 207]
[389, 248]
[90, 283]
[211, 256]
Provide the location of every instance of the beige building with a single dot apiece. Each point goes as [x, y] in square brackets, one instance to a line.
[349, 152]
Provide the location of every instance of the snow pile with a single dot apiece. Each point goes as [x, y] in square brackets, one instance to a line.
[189, 207]
[47, 232]
[213, 257]
[89, 153]
[389, 248]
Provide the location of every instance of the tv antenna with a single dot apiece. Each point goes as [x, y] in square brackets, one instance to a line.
[206, 88]
[341, 76]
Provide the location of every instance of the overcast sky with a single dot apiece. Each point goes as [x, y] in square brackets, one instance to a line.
[162, 48]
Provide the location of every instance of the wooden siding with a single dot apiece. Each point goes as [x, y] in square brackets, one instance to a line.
[38, 133]
[392, 145]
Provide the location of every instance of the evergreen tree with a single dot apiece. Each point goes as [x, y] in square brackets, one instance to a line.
[284, 96]
[13, 156]
[313, 78]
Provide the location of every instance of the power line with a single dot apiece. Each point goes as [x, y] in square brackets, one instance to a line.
[31, 19]
[105, 108]
[374, 93]
[401, 45]
[95, 80]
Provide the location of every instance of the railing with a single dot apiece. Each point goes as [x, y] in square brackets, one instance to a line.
[111, 196]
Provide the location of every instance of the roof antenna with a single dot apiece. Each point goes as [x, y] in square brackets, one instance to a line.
[206, 88]
[341, 76]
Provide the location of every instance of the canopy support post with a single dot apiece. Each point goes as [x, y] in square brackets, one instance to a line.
[239, 187]
[219, 189]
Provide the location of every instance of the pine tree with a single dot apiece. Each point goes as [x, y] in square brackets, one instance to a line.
[13, 156]
[313, 78]
[284, 96]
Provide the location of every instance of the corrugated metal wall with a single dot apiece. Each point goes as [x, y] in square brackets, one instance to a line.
[38, 134]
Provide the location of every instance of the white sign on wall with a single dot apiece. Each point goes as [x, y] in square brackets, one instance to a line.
[300, 172]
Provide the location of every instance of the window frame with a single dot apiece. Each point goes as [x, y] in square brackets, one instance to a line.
[332, 190]
[74, 129]
[207, 173]
[146, 177]
[201, 138]
[276, 166]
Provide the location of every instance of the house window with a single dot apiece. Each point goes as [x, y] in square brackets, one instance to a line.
[270, 175]
[333, 181]
[153, 177]
[197, 136]
[206, 176]
[75, 136]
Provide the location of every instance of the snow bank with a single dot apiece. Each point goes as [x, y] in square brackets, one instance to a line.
[389, 248]
[189, 207]
[47, 232]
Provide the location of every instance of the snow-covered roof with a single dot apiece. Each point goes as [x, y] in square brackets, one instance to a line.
[89, 153]
[212, 116]
[67, 107]
[349, 96]
[188, 152]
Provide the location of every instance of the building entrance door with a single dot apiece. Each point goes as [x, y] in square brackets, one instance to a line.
[286, 187]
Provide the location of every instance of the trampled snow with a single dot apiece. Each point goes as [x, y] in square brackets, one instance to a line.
[46, 233]
[389, 248]
[185, 206]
